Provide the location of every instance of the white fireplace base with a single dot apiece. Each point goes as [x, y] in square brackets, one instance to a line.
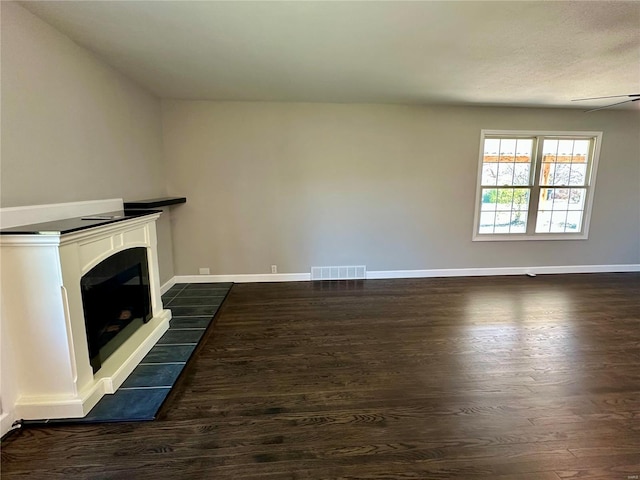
[43, 318]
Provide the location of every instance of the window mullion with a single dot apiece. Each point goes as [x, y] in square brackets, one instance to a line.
[534, 185]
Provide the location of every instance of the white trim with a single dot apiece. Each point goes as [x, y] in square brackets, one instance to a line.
[428, 273]
[498, 271]
[7, 420]
[511, 237]
[165, 287]
[29, 214]
[91, 234]
[540, 133]
[244, 278]
[592, 171]
[42, 240]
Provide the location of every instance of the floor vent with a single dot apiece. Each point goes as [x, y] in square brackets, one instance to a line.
[344, 272]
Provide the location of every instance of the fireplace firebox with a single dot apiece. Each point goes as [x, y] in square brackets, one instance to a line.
[116, 300]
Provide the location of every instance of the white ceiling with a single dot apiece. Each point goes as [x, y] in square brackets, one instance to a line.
[481, 53]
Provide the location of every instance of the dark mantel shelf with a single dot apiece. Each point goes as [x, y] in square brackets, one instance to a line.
[155, 202]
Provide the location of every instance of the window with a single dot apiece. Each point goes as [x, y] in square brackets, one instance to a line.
[535, 185]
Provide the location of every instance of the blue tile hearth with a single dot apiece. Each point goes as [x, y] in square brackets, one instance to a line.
[128, 405]
[190, 322]
[177, 336]
[143, 392]
[169, 353]
[194, 310]
[154, 375]
[194, 301]
[200, 292]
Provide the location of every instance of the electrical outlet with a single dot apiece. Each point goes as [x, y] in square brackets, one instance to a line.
[205, 271]
[274, 269]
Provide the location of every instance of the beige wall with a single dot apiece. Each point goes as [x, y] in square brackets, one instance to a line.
[295, 185]
[72, 127]
[391, 187]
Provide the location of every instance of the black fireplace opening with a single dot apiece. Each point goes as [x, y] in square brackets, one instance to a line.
[116, 299]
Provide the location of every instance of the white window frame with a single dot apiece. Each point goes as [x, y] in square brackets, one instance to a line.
[536, 161]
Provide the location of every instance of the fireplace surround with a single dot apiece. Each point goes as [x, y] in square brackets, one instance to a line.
[43, 312]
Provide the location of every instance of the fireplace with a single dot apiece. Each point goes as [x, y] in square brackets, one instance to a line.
[54, 274]
[116, 300]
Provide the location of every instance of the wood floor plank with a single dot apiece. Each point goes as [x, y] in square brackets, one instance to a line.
[501, 378]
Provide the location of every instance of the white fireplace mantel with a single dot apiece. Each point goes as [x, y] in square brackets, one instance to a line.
[43, 319]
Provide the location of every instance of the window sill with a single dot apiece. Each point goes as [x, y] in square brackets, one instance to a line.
[519, 237]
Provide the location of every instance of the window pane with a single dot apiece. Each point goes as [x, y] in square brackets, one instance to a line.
[521, 174]
[544, 221]
[558, 219]
[576, 198]
[507, 147]
[511, 205]
[565, 151]
[509, 198]
[565, 148]
[505, 198]
[489, 199]
[524, 147]
[559, 198]
[547, 172]
[561, 175]
[578, 174]
[506, 161]
[581, 148]
[574, 222]
[546, 199]
[491, 146]
[556, 173]
[487, 219]
[490, 173]
[561, 210]
[503, 221]
[518, 222]
[549, 150]
[505, 174]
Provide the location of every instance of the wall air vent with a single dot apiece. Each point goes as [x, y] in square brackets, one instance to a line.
[344, 272]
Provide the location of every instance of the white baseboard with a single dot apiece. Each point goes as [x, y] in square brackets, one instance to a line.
[497, 271]
[382, 274]
[165, 288]
[244, 278]
[6, 423]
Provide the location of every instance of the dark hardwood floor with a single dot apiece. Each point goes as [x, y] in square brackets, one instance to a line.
[455, 378]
